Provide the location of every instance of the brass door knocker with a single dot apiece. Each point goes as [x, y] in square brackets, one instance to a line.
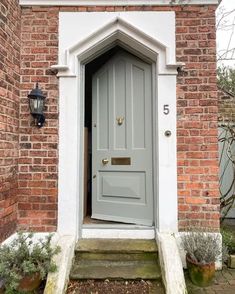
[120, 120]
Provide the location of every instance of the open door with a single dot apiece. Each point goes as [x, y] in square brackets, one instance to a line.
[122, 185]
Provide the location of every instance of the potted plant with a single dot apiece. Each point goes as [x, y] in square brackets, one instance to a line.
[24, 263]
[228, 238]
[202, 249]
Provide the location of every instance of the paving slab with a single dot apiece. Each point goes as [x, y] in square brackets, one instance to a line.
[224, 283]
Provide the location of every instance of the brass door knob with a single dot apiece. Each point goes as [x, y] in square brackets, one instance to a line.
[105, 160]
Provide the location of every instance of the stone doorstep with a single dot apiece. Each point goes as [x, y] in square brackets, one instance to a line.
[116, 259]
[145, 256]
[116, 245]
[118, 270]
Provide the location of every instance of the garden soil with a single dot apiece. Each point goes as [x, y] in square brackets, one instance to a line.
[114, 287]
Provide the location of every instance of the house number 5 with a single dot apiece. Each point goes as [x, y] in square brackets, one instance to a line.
[166, 109]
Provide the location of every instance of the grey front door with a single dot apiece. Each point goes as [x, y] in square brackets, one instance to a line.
[122, 185]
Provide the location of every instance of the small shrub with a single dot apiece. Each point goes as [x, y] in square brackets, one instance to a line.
[202, 247]
[228, 240]
[22, 257]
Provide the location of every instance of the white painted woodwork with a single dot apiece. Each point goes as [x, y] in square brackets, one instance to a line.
[149, 34]
[118, 233]
[166, 147]
[84, 36]
[124, 193]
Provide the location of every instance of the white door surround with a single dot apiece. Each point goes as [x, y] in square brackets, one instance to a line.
[83, 37]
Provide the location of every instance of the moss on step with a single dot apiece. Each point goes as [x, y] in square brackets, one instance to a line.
[143, 256]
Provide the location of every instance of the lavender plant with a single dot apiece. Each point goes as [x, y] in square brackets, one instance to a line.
[201, 246]
[23, 257]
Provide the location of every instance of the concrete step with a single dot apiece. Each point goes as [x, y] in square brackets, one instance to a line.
[116, 245]
[141, 256]
[129, 270]
[116, 259]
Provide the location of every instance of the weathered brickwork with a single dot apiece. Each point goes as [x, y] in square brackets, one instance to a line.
[38, 156]
[9, 113]
[197, 116]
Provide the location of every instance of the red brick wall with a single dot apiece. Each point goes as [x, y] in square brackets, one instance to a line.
[197, 116]
[9, 113]
[38, 155]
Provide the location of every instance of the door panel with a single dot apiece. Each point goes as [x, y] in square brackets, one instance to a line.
[123, 186]
[122, 135]
[138, 105]
[103, 112]
[119, 83]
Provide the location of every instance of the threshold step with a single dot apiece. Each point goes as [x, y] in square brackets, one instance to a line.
[116, 245]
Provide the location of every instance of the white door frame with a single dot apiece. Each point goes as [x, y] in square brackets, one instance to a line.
[131, 31]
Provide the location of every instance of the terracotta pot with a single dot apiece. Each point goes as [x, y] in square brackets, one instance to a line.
[200, 274]
[30, 282]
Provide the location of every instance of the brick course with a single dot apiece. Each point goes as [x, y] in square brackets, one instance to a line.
[9, 113]
[197, 110]
[38, 155]
[197, 132]
[198, 194]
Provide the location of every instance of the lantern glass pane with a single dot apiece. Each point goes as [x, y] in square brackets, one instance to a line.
[31, 105]
[40, 105]
[36, 106]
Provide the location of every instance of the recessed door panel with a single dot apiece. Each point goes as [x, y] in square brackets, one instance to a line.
[119, 83]
[103, 111]
[138, 105]
[122, 186]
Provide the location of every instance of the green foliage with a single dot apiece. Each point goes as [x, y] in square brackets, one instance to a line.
[24, 257]
[226, 79]
[202, 246]
[228, 240]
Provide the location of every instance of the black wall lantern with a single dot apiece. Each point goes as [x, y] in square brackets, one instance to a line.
[36, 105]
